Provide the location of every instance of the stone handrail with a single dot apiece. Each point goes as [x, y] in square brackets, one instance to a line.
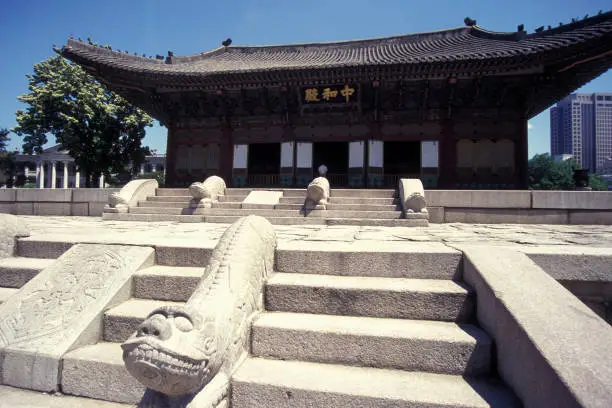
[188, 353]
[412, 196]
[552, 350]
[317, 194]
[130, 194]
[204, 194]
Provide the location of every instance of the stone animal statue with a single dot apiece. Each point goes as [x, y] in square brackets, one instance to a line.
[412, 196]
[130, 194]
[317, 193]
[204, 194]
[186, 355]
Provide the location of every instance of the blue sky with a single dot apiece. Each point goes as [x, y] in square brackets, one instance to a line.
[29, 28]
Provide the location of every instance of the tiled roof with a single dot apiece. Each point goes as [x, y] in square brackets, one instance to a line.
[464, 44]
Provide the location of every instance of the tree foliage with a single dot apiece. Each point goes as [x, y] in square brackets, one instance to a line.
[4, 139]
[547, 174]
[100, 130]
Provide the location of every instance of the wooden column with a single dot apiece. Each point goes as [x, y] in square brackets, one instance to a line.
[226, 156]
[448, 157]
[521, 155]
[171, 156]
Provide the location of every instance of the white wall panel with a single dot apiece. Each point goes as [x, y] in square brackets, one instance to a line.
[240, 156]
[287, 154]
[375, 150]
[356, 150]
[304, 155]
[429, 153]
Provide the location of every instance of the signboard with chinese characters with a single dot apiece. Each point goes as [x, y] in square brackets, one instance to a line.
[338, 94]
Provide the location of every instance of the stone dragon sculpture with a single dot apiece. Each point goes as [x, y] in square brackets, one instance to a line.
[186, 355]
[204, 194]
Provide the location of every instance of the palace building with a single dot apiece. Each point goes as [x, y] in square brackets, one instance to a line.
[450, 107]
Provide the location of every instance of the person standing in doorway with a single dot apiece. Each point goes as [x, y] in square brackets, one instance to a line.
[322, 170]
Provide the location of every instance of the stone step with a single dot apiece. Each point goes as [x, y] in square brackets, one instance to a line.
[173, 283]
[31, 247]
[299, 220]
[163, 204]
[170, 199]
[419, 299]
[260, 383]
[163, 192]
[373, 222]
[237, 198]
[120, 322]
[227, 204]
[97, 371]
[397, 259]
[412, 345]
[6, 293]
[343, 200]
[342, 207]
[17, 271]
[268, 212]
[151, 217]
[21, 398]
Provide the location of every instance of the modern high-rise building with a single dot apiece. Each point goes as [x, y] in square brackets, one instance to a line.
[581, 125]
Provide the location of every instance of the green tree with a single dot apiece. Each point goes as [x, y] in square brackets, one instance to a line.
[4, 139]
[100, 130]
[546, 174]
[597, 183]
[7, 159]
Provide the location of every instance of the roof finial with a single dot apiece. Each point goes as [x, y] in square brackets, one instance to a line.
[469, 22]
[227, 42]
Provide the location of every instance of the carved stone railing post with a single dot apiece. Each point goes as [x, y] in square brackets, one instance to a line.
[186, 355]
[412, 197]
[317, 194]
[130, 194]
[206, 193]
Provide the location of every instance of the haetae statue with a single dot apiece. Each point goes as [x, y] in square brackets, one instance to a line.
[204, 194]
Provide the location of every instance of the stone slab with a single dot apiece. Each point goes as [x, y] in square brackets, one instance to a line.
[97, 371]
[7, 194]
[96, 208]
[478, 198]
[576, 200]
[43, 194]
[17, 398]
[79, 209]
[257, 199]
[412, 345]
[88, 195]
[24, 208]
[11, 229]
[61, 309]
[504, 216]
[421, 299]
[282, 384]
[362, 258]
[51, 208]
[7, 208]
[551, 348]
[577, 217]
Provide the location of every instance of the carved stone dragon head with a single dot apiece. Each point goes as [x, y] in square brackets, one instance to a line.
[174, 351]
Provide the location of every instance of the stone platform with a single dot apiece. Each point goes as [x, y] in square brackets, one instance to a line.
[357, 262]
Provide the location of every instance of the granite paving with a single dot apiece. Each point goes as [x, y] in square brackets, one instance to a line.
[94, 229]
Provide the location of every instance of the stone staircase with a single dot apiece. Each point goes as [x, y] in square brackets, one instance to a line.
[346, 207]
[342, 326]
[17, 271]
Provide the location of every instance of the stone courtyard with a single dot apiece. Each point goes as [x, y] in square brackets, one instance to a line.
[94, 230]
